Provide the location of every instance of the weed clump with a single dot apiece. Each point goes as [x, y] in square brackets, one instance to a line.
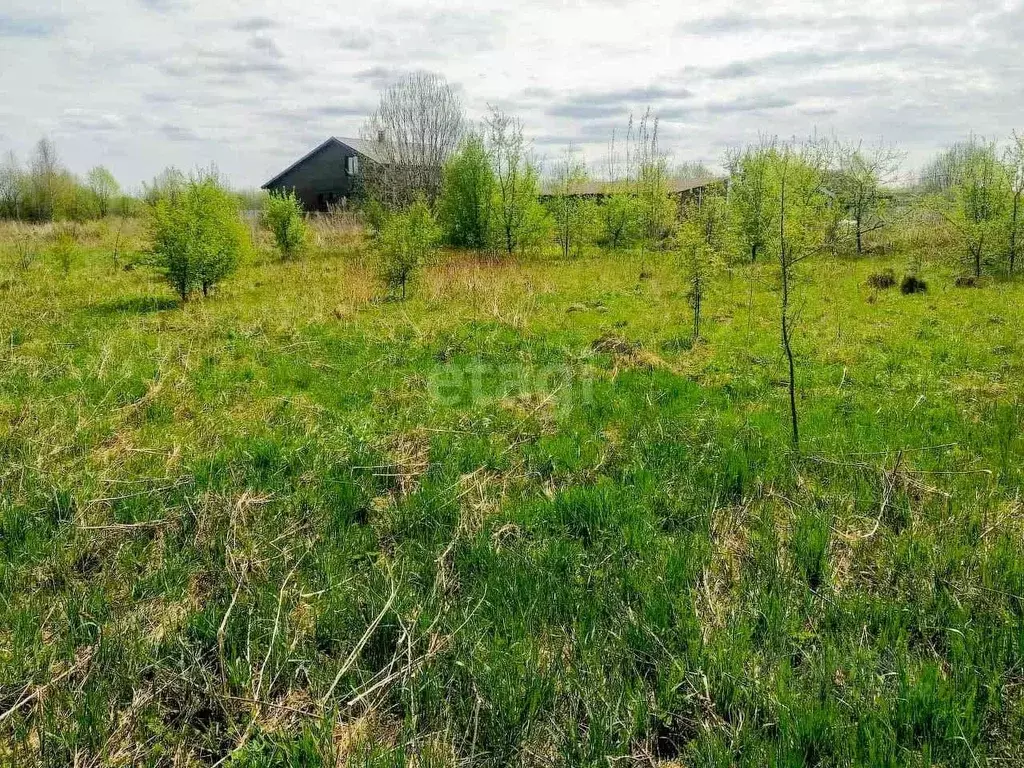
[882, 280]
[966, 281]
[913, 284]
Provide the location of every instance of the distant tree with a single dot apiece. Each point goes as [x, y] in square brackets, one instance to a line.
[198, 235]
[44, 170]
[656, 210]
[750, 195]
[416, 127]
[944, 173]
[979, 204]
[406, 241]
[1014, 163]
[704, 239]
[283, 215]
[573, 214]
[12, 187]
[861, 177]
[104, 188]
[168, 184]
[466, 206]
[520, 219]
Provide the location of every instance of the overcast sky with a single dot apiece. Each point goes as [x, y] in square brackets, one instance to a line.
[138, 85]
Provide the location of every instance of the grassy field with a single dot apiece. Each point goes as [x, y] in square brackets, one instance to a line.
[515, 519]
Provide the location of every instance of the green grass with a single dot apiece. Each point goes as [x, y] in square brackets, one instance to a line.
[516, 519]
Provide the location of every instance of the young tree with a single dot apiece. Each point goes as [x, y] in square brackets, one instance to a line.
[198, 236]
[704, 238]
[284, 217]
[465, 209]
[862, 174]
[407, 239]
[750, 196]
[44, 170]
[104, 189]
[1014, 162]
[520, 220]
[980, 195]
[416, 127]
[571, 212]
[656, 210]
[794, 193]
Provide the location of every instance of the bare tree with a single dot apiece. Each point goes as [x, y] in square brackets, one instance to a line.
[44, 169]
[416, 128]
[1014, 162]
[11, 187]
[862, 175]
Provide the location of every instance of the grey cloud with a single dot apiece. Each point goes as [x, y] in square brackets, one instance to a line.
[267, 45]
[749, 104]
[584, 111]
[12, 26]
[379, 77]
[177, 133]
[255, 24]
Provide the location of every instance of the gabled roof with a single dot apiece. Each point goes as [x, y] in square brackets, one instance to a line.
[368, 149]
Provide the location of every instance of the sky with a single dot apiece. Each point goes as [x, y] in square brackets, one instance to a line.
[138, 85]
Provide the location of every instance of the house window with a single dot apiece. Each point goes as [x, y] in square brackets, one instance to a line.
[352, 165]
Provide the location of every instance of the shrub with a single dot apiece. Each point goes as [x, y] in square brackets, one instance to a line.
[405, 242]
[882, 280]
[465, 209]
[913, 284]
[198, 236]
[284, 217]
[65, 240]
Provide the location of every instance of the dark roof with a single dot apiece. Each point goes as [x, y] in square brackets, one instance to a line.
[368, 149]
[604, 188]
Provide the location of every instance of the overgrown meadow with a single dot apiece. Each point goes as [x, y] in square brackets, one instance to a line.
[517, 518]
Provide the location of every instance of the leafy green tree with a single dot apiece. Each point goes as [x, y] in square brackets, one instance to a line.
[1014, 163]
[466, 206]
[618, 217]
[704, 238]
[198, 236]
[521, 222]
[861, 177]
[572, 213]
[104, 189]
[980, 197]
[284, 217]
[750, 196]
[406, 240]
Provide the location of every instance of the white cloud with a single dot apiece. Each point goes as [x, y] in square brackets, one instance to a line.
[139, 84]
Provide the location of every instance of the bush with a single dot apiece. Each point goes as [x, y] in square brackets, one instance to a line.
[284, 217]
[882, 280]
[405, 242]
[913, 284]
[198, 236]
[465, 208]
[65, 240]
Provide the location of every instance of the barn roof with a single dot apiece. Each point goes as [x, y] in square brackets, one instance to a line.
[368, 149]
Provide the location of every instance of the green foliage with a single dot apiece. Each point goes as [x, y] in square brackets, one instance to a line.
[704, 239]
[619, 217]
[64, 245]
[406, 241]
[198, 237]
[977, 212]
[751, 197]
[104, 189]
[573, 216]
[521, 223]
[284, 217]
[465, 208]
